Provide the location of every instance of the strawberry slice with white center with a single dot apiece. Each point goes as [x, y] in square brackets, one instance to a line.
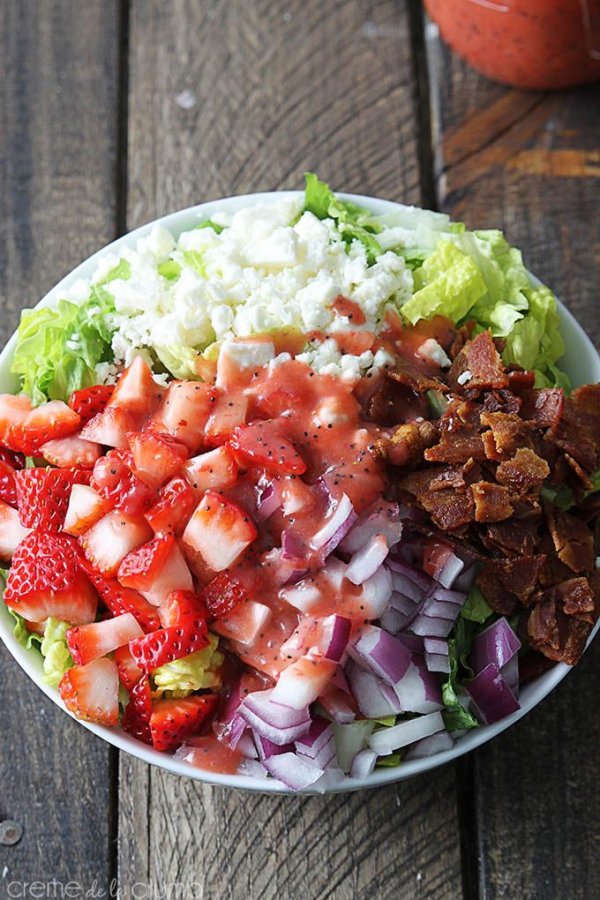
[86, 507]
[183, 413]
[214, 470]
[244, 622]
[11, 531]
[174, 505]
[8, 487]
[13, 413]
[173, 720]
[118, 599]
[182, 605]
[88, 642]
[43, 495]
[136, 718]
[45, 579]
[129, 671]
[113, 478]
[112, 538]
[263, 444]
[156, 569]
[88, 402]
[136, 392]
[25, 429]
[156, 457]
[110, 427]
[167, 644]
[217, 534]
[91, 692]
[229, 411]
[71, 452]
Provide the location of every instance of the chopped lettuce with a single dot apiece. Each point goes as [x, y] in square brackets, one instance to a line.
[564, 497]
[122, 270]
[456, 716]
[194, 259]
[171, 270]
[210, 224]
[448, 284]
[26, 638]
[392, 759]
[352, 221]
[55, 651]
[476, 608]
[180, 361]
[195, 672]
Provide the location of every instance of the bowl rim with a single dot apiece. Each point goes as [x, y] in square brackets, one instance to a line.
[532, 694]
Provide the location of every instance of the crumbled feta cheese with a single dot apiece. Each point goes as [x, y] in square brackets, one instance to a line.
[464, 377]
[430, 349]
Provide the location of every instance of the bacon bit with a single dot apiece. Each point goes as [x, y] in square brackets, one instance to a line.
[456, 448]
[502, 401]
[461, 337]
[481, 358]
[573, 540]
[526, 470]
[406, 373]
[578, 431]
[517, 537]
[509, 433]
[406, 445]
[519, 379]
[576, 598]
[544, 406]
[585, 481]
[492, 502]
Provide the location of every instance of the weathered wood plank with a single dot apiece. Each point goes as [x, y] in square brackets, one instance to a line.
[58, 65]
[272, 89]
[527, 162]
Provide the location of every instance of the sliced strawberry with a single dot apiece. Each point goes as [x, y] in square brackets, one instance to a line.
[13, 414]
[129, 671]
[47, 422]
[182, 605]
[71, 452]
[217, 534]
[229, 411]
[172, 510]
[156, 569]
[45, 580]
[222, 595]
[244, 622]
[88, 402]
[214, 470]
[263, 444]
[8, 488]
[173, 720]
[43, 495]
[10, 458]
[183, 413]
[110, 427]
[136, 718]
[114, 480]
[166, 644]
[85, 508]
[11, 531]
[137, 392]
[112, 538]
[88, 642]
[91, 692]
[156, 457]
[119, 599]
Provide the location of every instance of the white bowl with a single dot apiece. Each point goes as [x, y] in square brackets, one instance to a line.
[582, 363]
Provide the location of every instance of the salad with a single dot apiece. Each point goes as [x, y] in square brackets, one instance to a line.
[300, 492]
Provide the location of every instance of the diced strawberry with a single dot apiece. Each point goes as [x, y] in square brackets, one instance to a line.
[8, 488]
[244, 622]
[114, 480]
[91, 692]
[166, 644]
[10, 458]
[45, 580]
[222, 595]
[71, 452]
[263, 444]
[181, 605]
[119, 599]
[183, 413]
[13, 414]
[229, 411]
[343, 306]
[129, 671]
[172, 510]
[173, 720]
[43, 495]
[136, 718]
[156, 569]
[214, 470]
[110, 427]
[88, 642]
[217, 534]
[11, 531]
[112, 538]
[86, 507]
[88, 402]
[24, 429]
[235, 369]
[137, 392]
[156, 457]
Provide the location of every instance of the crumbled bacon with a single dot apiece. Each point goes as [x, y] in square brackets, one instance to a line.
[573, 540]
[416, 379]
[543, 406]
[508, 434]
[406, 445]
[578, 431]
[479, 359]
[492, 502]
[513, 538]
[526, 470]
[502, 401]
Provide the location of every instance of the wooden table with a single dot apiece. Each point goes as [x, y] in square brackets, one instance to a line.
[114, 113]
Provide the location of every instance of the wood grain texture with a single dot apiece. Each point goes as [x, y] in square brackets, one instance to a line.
[229, 97]
[58, 85]
[534, 806]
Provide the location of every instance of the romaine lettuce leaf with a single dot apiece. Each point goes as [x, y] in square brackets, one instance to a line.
[26, 638]
[190, 673]
[55, 651]
[352, 221]
[448, 284]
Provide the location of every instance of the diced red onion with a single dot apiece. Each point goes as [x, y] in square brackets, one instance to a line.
[304, 595]
[350, 740]
[510, 673]
[437, 662]
[401, 735]
[373, 696]
[233, 731]
[465, 580]
[443, 564]
[376, 593]
[301, 683]
[315, 738]
[335, 703]
[406, 587]
[279, 724]
[405, 605]
[496, 644]
[327, 635]
[340, 681]
[381, 653]
[336, 631]
[252, 768]
[246, 744]
[435, 645]
[268, 503]
[438, 613]
[291, 770]
[380, 518]
[324, 756]
[492, 698]
[392, 620]
[266, 748]
[429, 746]
[415, 575]
[367, 560]
[363, 763]
[412, 641]
[419, 690]
[336, 527]
[332, 778]
[292, 548]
